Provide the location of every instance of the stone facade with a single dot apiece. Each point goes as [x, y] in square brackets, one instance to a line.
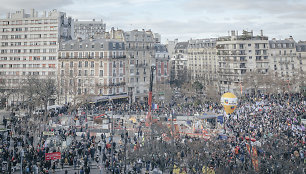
[91, 68]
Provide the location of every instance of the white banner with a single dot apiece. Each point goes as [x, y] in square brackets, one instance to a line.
[229, 101]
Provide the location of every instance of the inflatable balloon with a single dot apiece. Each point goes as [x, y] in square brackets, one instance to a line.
[229, 102]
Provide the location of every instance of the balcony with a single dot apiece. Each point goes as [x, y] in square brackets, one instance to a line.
[141, 65]
[111, 84]
[262, 60]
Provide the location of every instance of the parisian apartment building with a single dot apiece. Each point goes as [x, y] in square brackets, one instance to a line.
[202, 61]
[89, 29]
[140, 52]
[239, 54]
[178, 63]
[92, 68]
[29, 45]
[85, 59]
[70, 51]
[284, 59]
[162, 60]
[225, 62]
[301, 54]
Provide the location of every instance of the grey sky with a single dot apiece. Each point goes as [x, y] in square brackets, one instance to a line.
[183, 19]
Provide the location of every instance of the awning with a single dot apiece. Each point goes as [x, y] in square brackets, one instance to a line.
[106, 98]
[208, 116]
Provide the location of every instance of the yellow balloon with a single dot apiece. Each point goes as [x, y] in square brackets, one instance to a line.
[229, 102]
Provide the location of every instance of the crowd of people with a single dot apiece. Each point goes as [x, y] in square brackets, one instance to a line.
[265, 134]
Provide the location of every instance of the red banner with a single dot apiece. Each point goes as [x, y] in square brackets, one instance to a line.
[53, 156]
[248, 148]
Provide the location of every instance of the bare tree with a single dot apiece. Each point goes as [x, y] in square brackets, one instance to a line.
[39, 90]
[212, 93]
[30, 92]
[253, 81]
[4, 92]
[163, 92]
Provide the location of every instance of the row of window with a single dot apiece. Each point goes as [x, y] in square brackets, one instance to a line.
[28, 36]
[92, 64]
[201, 45]
[114, 45]
[92, 73]
[284, 45]
[30, 58]
[19, 51]
[27, 65]
[16, 73]
[283, 53]
[285, 66]
[107, 54]
[19, 29]
[26, 22]
[37, 43]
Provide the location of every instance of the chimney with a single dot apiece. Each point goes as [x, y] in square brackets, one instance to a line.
[22, 12]
[44, 14]
[233, 33]
[261, 33]
[32, 12]
[8, 15]
[93, 20]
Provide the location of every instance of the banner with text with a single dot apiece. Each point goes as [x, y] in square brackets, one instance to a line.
[53, 156]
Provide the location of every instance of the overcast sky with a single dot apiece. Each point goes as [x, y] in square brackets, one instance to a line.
[183, 19]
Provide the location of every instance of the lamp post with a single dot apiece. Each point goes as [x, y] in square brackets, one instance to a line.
[112, 134]
[125, 142]
[21, 160]
[148, 120]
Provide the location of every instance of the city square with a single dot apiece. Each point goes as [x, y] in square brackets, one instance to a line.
[77, 97]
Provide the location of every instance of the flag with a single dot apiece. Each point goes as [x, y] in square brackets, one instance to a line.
[240, 88]
[155, 106]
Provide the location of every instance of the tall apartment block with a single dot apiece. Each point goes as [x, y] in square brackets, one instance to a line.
[29, 44]
[284, 61]
[178, 63]
[91, 69]
[89, 29]
[162, 64]
[301, 54]
[203, 61]
[239, 54]
[140, 52]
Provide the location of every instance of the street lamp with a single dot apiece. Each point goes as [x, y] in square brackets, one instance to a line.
[112, 133]
[21, 159]
[153, 68]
